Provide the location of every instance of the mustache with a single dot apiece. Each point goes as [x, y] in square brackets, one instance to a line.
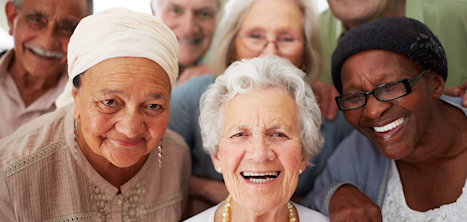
[45, 53]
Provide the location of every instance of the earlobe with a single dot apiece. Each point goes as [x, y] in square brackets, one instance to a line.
[11, 13]
[216, 162]
[74, 93]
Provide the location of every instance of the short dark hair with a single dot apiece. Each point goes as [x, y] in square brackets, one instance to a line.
[18, 3]
[77, 81]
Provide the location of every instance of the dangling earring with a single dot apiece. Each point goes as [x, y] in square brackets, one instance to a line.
[76, 138]
[300, 171]
[159, 147]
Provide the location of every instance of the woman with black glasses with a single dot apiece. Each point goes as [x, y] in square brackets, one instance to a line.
[407, 161]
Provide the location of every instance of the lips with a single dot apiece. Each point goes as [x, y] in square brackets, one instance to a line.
[127, 143]
[390, 126]
[260, 177]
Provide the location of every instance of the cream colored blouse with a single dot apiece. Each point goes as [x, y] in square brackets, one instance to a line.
[41, 180]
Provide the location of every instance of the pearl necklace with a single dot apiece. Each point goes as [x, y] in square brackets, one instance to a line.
[226, 214]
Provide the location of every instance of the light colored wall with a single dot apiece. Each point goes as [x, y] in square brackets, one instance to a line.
[3, 22]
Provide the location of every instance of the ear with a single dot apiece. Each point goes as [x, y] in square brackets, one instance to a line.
[304, 164]
[216, 162]
[11, 13]
[76, 107]
[152, 9]
[437, 84]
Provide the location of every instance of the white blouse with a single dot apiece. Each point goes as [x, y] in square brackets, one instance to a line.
[304, 214]
[395, 206]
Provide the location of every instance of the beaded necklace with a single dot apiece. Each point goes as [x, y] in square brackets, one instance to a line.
[226, 214]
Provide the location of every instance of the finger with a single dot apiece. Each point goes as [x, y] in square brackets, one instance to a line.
[453, 91]
[464, 99]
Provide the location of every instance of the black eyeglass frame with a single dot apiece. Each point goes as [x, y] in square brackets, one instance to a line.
[267, 42]
[408, 83]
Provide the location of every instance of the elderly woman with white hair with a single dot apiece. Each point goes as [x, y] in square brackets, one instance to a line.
[105, 154]
[254, 28]
[260, 123]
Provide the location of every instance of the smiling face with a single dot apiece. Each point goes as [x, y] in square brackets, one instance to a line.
[123, 109]
[260, 150]
[395, 126]
[41, 30]
[357, 12]
[193, 23]
[274, 19]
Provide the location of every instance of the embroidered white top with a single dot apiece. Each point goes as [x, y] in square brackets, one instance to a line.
[395, 207]
[41, 180]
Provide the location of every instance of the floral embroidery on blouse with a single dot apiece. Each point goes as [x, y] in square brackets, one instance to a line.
[100, 203]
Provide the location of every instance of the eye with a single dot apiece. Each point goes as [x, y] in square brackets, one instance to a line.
[238, 135]
[205, 15]
[255, 36]
[279, 135]
[109, 102]
[286, 38]
[154, 106]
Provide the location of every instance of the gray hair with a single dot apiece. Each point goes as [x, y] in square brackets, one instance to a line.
[18, 3]
[261, 73]
[234, 13]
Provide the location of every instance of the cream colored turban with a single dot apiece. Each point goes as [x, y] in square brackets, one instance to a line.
[119, 32]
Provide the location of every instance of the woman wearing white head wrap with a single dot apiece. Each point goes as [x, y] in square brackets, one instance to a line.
[105, 154]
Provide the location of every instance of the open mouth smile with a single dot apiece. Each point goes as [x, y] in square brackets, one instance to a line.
[260, 177]
[44, 53]
[389, 126]
[189, 41]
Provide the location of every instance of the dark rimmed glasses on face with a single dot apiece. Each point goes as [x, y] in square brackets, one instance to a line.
[285, 45]
[385, 92]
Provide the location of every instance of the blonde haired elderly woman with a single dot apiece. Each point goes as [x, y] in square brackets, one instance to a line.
[260, 123]
[253, 28]
[105, 155]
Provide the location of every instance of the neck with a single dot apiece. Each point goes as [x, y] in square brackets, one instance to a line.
[393, 8]
[443, 140]
[241, 213]
[114, 175]
[29, 86]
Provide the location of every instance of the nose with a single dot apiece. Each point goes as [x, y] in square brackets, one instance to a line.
[375, 108]
[270, 49]
[189, 24]
[131, 123]
[259, 151]
[48, 39]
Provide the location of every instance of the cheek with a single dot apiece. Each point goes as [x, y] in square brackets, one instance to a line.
[296, 59]
[352, 117]
[241, 51]
[168, 20]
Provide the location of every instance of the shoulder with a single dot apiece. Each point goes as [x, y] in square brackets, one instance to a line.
[34, 140]
[205, 216]
[454, 101]
[306, 214]
[194, 86]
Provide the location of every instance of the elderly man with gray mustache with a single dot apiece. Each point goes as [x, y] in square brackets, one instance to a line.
[33, 73]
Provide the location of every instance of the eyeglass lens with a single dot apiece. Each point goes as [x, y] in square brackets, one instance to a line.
[285, 45]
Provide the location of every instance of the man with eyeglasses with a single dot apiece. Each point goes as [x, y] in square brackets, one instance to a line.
[407, 159]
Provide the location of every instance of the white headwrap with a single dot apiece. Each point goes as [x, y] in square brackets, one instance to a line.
[119, 32]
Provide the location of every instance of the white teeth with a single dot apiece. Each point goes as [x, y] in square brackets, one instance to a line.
[252, 176]
[389, 126]
[261, 180]
[42, 52]
[246, 174]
